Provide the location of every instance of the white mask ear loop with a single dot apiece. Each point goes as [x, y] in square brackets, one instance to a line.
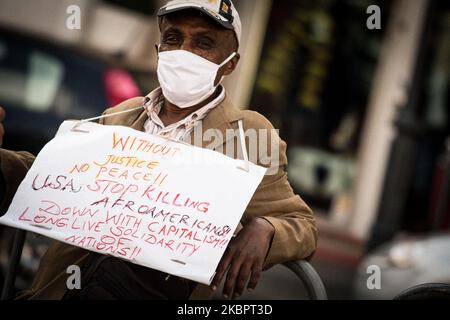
[224, 63]
[228, 59]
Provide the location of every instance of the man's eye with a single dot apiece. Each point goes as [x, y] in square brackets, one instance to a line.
[205, 44]
[171, 40]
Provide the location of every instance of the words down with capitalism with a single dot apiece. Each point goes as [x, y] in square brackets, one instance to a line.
[115, 232]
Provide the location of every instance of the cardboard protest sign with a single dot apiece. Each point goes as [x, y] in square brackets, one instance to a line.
[117, 191]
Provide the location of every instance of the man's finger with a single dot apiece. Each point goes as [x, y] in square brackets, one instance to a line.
[256, 275]
[232, 275]
[244, 275]
[222, 268]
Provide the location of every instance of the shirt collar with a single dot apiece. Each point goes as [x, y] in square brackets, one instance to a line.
[153, 103]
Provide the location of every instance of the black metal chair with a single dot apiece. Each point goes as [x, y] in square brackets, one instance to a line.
[427, 291]
[303, 269]
[14, 260]
[310, 279]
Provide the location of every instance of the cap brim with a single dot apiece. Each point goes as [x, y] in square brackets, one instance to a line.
[226, 24]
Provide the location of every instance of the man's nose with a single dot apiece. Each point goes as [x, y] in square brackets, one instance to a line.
[187, 47]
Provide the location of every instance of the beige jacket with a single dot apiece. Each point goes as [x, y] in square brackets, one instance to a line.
[295, 232]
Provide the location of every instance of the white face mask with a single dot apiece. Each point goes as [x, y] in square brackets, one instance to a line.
[187, 79]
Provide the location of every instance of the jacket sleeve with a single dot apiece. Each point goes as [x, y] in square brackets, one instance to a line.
[295, 235]
[14, 167]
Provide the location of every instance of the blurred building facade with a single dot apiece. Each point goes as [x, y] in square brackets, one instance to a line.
[339, 92]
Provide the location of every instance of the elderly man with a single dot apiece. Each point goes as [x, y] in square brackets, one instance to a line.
[199, 46]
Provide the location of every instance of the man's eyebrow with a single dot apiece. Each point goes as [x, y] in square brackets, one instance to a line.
[208, 34]
[171, 30]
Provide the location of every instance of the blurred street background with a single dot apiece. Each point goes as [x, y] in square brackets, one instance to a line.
[363, 108]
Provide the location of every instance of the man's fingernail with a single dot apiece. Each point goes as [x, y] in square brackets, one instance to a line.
[214, 288]
[225, 296]
[236, 295]
[250, 289]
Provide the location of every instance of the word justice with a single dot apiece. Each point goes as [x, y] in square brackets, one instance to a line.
[128, 162]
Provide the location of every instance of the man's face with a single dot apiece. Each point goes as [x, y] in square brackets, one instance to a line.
[193, 31]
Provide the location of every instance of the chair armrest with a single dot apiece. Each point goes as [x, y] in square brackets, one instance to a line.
[309, 277]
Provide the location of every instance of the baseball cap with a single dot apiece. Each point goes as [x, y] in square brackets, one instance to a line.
[222, 11]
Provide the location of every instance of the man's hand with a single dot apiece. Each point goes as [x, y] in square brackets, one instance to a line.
[2, 130]
[244, 258]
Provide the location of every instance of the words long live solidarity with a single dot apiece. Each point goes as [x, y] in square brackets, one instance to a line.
[117, 191]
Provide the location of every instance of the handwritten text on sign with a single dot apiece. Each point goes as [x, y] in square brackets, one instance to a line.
[118, 191]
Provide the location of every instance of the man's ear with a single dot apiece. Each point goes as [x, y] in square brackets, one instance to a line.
[231, 65]
[227, 69]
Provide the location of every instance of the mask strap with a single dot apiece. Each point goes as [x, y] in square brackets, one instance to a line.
[228, 59]
[224, 63]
